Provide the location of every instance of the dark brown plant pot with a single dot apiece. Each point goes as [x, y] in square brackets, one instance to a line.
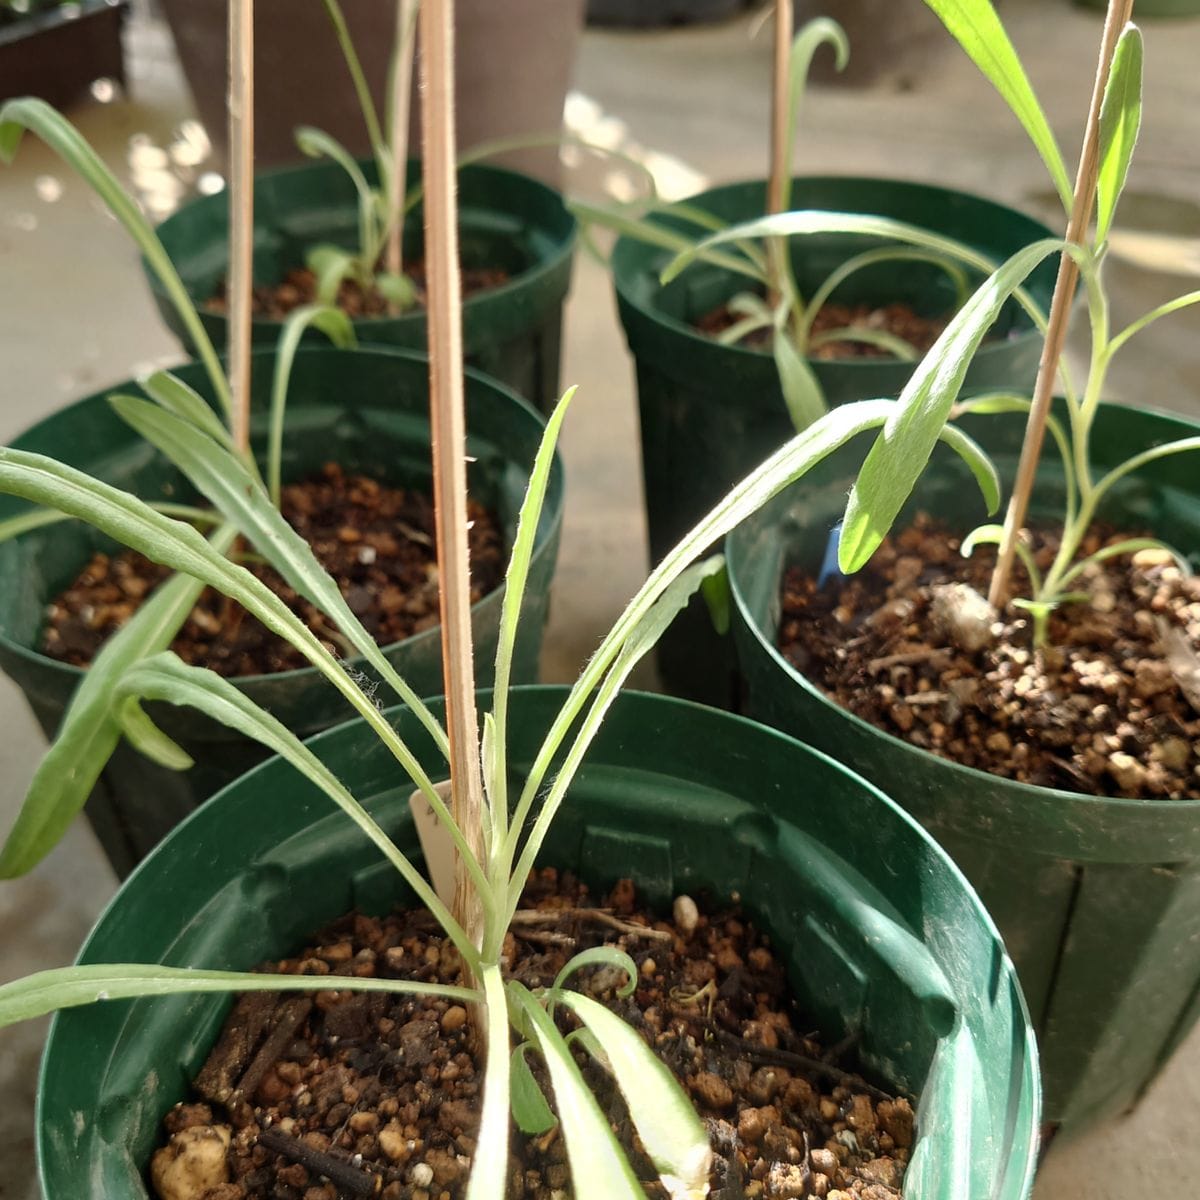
[56, 55]
[301, 78]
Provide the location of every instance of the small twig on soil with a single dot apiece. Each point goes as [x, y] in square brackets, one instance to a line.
[919, 698]
[547, 937]
[1119, 12]
[598, 916]
[786, 1058]
[354, 1181]
[910, 659]
[288, 1018]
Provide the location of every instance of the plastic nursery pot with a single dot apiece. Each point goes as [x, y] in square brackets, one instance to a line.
[881, 935]
[368, 411]
[1097, 899]
[512, 332]
[711, 413]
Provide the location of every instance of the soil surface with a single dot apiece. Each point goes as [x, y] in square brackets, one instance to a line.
[897, 319]
[1103, 708]
[346, 1094]
[376, 541]
[299, 287]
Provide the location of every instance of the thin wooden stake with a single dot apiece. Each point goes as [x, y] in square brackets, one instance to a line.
[406, 12]
[1119, 12]
[449, 436]
[780, 97]
[241, 211]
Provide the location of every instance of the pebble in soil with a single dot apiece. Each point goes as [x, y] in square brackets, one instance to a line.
[376, 541]
[1102, 709]
[346, 1094]
[899, 320]
[299, 287]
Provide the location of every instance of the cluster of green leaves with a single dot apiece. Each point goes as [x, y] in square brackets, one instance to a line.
[89, 733]
[751, 250]
[977, 28]
[378, 207]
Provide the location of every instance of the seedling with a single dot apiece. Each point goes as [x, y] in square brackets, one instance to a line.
[1108, 149]
[756, 250]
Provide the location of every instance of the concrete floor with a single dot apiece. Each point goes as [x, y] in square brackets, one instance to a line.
[692, 104]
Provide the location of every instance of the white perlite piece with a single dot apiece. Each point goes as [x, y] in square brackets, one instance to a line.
[191, 1163]
[687, 915]
[963, 615]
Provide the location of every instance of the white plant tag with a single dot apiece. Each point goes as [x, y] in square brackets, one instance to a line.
[436, 843]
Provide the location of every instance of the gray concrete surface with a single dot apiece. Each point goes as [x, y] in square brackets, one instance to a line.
[692, 103]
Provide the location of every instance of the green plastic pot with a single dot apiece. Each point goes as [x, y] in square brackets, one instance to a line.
[1098, 899]
[367, 410]
[711, 413]
[512, 332]
[881, 934]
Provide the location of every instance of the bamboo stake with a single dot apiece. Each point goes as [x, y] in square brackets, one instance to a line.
[1119, 12]
[241, 212]
[780, 95]
[406, 12]
[449, 436]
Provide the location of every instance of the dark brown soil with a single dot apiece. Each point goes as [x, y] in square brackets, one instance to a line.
[1102, 709]
[377, 542]
[299, 287]
[385, 1090]
[897, 319]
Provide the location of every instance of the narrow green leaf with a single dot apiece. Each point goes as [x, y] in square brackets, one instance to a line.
[489, 1171]
[165, 677]
[361, 88]
[397, 290]
[339, 329]
[879, 338]
[896, 460]
[316, 143]
[976, 458]
[993, 535]
[89, 732]
[177, 397]
[1128, 546]
[978, 30]
[1120, 120]
[1163, 310]
[66, 141]
[146, 738]
[530, 1108]
[599, 1168]
[223, 480]
[600, 956]
[808, 40]
[332, 266]
[69, 987]
[718, 598]
[39, 518]
[1182, 446]
[814, 223]
[662, 1111]
[802, 392]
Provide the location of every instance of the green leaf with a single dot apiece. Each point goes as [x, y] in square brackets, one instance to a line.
[879, 338]
[332, 266]
[177, 397]
[89, 732]
[1120, 119]
[980, 464]
[802, 392]
[1181, 446]
[718, 598]
[600, 956]
[361, 88]
[662, 1111]
[221, 477]
[815, 223]
[39, 518]
[398, 290]
[815, 33]
[978, 30]
[316, 143]
[339, 329]
[994, 535]
[530, 1109]
[165, 677]
[489, 1171]
[896, 460]
[69, 987]
[66, 141]
[599, 1168]
[1128, 546]
[146, 738]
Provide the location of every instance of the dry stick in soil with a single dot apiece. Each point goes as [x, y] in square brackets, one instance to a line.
[1119, 12]
[784, 22]
[406, 12]
[449, 441]
[241, 211]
